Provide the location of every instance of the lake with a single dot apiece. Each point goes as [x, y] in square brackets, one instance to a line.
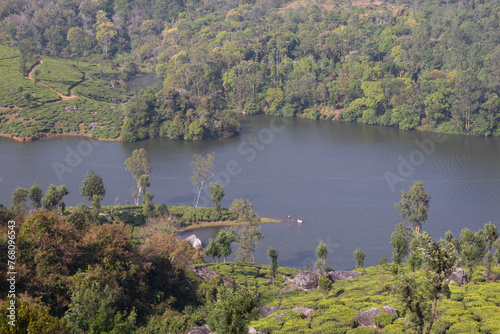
[341, 179]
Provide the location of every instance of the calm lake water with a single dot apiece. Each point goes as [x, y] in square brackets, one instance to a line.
[341, 179]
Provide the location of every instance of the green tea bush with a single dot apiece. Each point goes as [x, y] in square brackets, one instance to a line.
[384, 319]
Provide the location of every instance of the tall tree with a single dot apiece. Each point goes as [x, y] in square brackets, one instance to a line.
[213, 250]
[414, 207]
[139, 165]
[92, 188]
[273, 257]
[467, 93]
[76, 40]
[35, 194]
[359, 257]
[324, 285]
[491, 235]
[321, 254]
[440, 261]
[203, 170]
[27, 50]
[217, 194]
[225, 239]
[400, 244]
[247, 238]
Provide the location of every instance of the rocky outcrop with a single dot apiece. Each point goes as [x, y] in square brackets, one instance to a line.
[252, 330]
[340, 275]
[458, 276]
[307, 280]
[366, 318]
[194, 241]
[304, 310]
[199, 330]
[206, 275]
[266, 311]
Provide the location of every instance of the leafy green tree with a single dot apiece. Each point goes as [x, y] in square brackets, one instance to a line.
[244, 211]
[400, 244]
[247, 238]
[273, 257]
[148, 208]
[232, 311]
[203, 170]
[325, 285]
[27, 50]
[321, 254]
[51, 198]
[440, 262]
[19, 196]
[359, 257]
[35, 194]
[214, 250]
[217, 194]
[472, 249]
[414, 207]
[415, 258]
[497, 253]
[139, 165]
[466, 97]
[491, 235]
[225, 239]
[106, 31]
[92, 188]
[412, 297]
[27, 98]
[76, 40]
[92, 310]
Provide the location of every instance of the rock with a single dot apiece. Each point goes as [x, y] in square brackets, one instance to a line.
[458, 276]
[206, 275]
[194, 241]
[252, 330]
[307, 280]
[199, 330]
[288, 288]
[304, 310]
[266, 311]
[340, 275]
[366, 318]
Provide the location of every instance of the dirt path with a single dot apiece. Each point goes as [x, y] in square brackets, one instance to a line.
[71, 95]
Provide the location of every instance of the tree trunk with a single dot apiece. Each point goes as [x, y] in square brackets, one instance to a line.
[253, 259]
[489, 259]
[434, 303]
[198, 199]
[224, 259]
[213, 263]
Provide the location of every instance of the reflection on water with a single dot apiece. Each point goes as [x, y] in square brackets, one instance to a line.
[330, 174]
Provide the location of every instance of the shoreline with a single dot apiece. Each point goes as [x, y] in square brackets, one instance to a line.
[225, 223]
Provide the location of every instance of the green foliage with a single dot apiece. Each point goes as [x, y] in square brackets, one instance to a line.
[359, 257]
[322, 254]
[247, 238]
[414, 206]
[273, 257]
[203, 170]
[232, 310]
[213, 250]
[244, 211]
[217, 194]
[225, 239]
[325, 285]
[92, 188]
[139, 165]
[383, 319]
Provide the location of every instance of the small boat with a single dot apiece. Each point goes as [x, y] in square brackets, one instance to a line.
[299, 221]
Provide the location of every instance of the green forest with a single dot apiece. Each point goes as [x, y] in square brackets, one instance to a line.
[425, 64]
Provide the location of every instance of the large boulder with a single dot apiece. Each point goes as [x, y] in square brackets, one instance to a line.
[367, 317]
[266, 311]
[199, 330]
[206, 275]
[458, 276]
[252, 330]
[340, 275]
[194, 241]
[304, 310]
[307, 280]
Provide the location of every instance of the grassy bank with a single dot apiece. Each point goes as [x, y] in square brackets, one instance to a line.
[228, 223]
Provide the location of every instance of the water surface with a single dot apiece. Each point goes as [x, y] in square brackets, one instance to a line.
[341, 179]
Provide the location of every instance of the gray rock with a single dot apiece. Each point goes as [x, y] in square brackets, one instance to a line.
[458, 276]
[366, 318]
[266, 311]
[206, 275]
[288, 288]
[199, 330]
[340, 275]
[304, 310]
[252, 330]
[307, 280]
[194, 241]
